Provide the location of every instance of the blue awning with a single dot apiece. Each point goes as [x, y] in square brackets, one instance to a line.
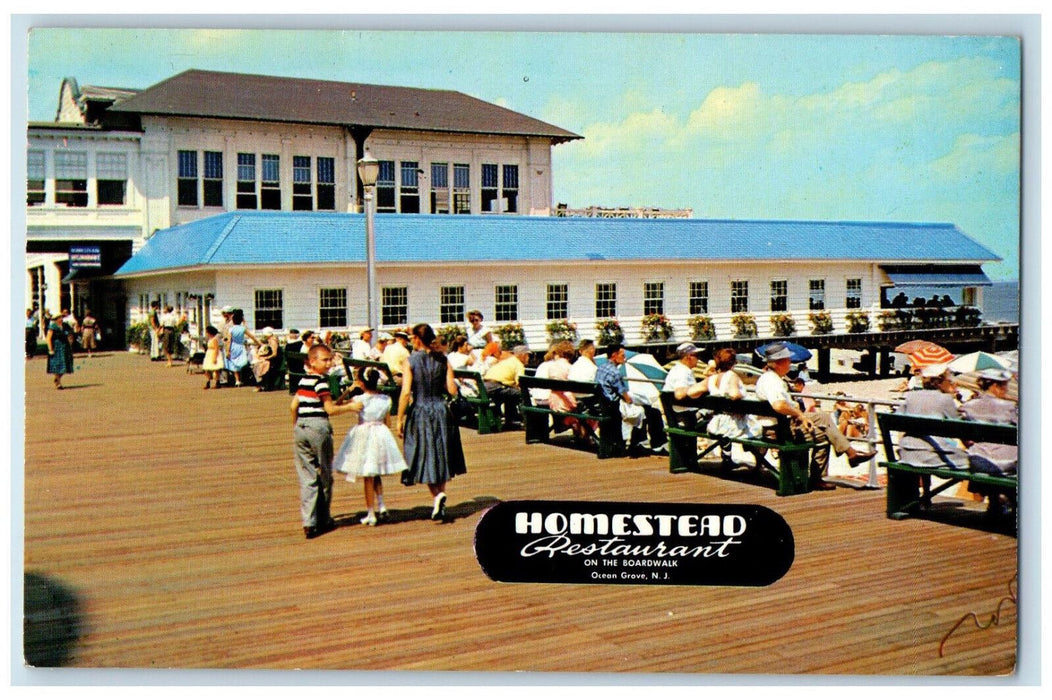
[937, 276]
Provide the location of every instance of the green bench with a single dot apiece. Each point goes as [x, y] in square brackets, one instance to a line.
[537, 420]
[486, 414]
[909, 487]
[354, 368]
[295, 377]
[793, 469]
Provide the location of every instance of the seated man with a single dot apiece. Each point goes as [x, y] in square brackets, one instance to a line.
[815, 425]
[635, 417]
[502, 382]
[681, 381]
[396, 353]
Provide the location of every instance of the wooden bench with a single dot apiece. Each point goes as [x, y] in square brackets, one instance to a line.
[909, 487]
[335, 380]
[486, 414]
[793, 469]
[537, 420]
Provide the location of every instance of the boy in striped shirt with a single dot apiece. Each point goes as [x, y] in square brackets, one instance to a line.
[312, 441]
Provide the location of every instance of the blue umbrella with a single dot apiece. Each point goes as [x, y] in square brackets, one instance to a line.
[797, 353]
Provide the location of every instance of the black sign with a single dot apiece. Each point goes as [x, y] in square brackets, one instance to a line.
[670, 544]
[83, 256]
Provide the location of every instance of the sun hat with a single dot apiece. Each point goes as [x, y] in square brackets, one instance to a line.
[687, 349]
[934, 370]
[266, 332]
[384, 335]
[777, 351]
[995, 375]
[227, 310]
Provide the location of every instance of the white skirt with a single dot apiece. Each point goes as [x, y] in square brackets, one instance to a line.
[369, 450]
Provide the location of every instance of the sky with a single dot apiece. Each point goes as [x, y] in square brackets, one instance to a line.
[922, 128]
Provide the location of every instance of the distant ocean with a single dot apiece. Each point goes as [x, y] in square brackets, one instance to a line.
[1001, 302]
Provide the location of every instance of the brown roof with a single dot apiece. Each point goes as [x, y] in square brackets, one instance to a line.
[201, 93]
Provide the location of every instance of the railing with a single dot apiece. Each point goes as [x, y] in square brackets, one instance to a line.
[624, 212]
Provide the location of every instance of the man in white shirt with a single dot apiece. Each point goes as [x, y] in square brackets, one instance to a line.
[396, 353]
[362, 348]
[681, 381]
[814, 425]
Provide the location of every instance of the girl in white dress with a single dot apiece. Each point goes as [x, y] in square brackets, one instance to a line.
[726, 382]
[370, 450]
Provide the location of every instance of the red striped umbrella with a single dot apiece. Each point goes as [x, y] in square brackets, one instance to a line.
[912, 346]
[930, 355]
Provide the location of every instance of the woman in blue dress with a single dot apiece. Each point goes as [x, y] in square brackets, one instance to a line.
[59, 350]
[236, 353]
[432, 439]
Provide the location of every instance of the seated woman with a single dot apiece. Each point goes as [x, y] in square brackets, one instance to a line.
[992, 406]
[267, 363]
[562, 354]
[726, 382]
[935, 399]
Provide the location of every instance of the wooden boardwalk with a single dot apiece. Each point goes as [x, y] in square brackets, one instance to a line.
[172, 513]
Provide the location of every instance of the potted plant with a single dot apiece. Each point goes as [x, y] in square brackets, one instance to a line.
[561, 330]
[744, 325]
[510, 334]
[609, 332]
[447, 333]
[857, 321]
[701, 328]
[783, 325]
[655, 328]
[138, 337]
[821, 322]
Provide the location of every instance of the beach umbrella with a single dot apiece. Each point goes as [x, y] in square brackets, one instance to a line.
[645, 376]
[930, 355]
[797, 353]
[912, 346]
[977, 362]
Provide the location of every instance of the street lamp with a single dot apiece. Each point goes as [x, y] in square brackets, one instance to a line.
[368, 171]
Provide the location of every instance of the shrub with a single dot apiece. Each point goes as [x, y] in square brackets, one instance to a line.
[609, 332]
[783, 325]
[744, 325]
[701, 328]
[857, 321]
[655, 327]
[821, 322]
[510, 335]
[138, 335]
[561, 330]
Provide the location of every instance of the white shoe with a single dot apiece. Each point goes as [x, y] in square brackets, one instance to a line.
[439, 511]
[369, 520]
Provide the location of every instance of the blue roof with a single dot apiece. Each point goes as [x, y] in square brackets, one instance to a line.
[303, 238]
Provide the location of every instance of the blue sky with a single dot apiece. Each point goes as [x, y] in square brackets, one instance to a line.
[742, 126]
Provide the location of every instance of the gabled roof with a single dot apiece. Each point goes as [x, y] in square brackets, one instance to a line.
[198, 93]
[310, 238]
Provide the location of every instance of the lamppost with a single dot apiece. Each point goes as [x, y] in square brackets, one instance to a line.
[368, 170]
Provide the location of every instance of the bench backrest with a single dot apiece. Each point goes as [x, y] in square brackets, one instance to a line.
[473, 376]
[722, 404]
[350, 364]
[974, 431]
[582, 389]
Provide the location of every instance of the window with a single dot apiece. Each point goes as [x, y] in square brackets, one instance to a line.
[213, 179]
[816, 294]
[779, 295]
[506, 307]
[739, 296]
[507, 187]
[269, 310]
[186, 182]
[409, 192]
[461, 188]
[385, 186]
[302, 194]
[510, 192]
[698, 300]
[111, 177]
[854, 293]
[440, 188]
[558, 302]
[270, 188]
[606, 300]
[326, 188]
[246, 181]
[35, 178]
[653, 298]
[332, 307]
[451, 304]
[489, 188]
[394, 306]
[71, 178]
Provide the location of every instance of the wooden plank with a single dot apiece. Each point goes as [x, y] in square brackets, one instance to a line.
[172, 512]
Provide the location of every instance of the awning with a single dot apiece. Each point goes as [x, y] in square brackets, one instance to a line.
[937, 275]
